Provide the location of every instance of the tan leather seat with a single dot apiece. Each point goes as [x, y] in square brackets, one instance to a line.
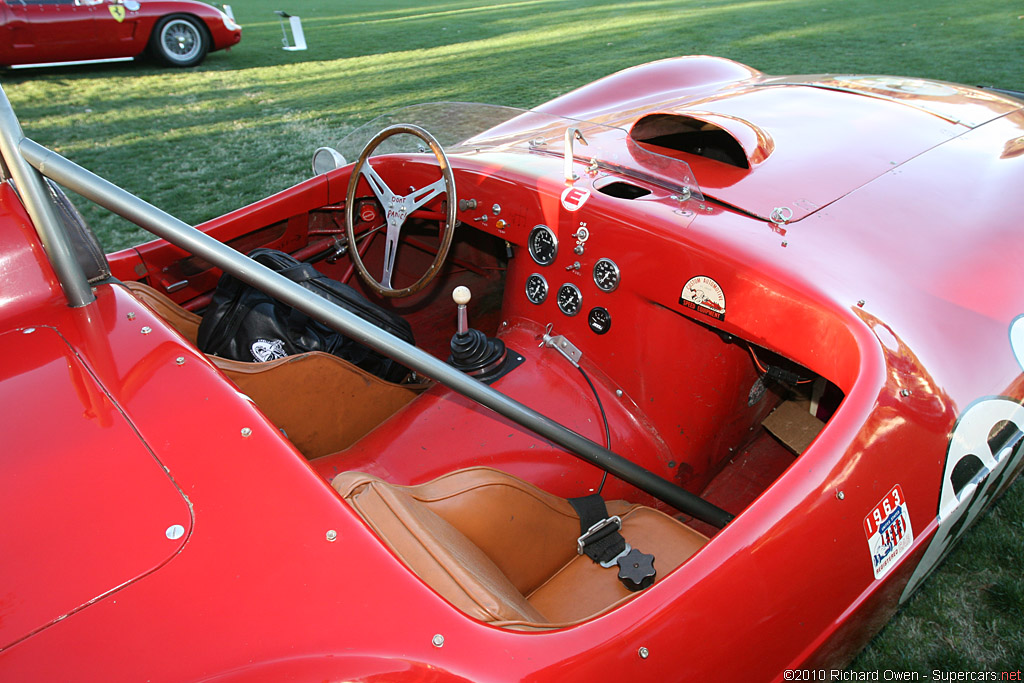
[503, 551]
[322, 403]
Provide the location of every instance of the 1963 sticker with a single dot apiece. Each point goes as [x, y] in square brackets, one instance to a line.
[888, 530]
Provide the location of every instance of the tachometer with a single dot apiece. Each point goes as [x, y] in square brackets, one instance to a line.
[570, 301]
[606, 274]
[543, 245]
[536, 288]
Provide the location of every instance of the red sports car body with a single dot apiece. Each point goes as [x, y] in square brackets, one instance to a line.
[781, 316]
[177, 32]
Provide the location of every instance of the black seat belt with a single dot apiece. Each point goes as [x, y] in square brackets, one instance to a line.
[601, 541]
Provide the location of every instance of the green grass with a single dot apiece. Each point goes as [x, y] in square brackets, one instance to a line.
[204, 141]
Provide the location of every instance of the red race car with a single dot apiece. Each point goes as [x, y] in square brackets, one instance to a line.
[714, 335]
[51, 32]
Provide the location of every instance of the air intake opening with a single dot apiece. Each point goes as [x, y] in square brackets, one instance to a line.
[623, 190]
[690, 135]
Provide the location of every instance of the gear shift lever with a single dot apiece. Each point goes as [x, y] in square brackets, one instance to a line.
[461, 295]
[473, 352]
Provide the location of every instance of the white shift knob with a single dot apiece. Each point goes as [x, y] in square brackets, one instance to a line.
[461, 295]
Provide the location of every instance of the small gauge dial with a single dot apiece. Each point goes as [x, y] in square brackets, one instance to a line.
[606, 275]
[570, 301]
[536, 288]
[599, 319]
[543, 245]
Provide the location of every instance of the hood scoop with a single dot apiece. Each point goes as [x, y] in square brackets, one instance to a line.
[789, 150]
[725, 139]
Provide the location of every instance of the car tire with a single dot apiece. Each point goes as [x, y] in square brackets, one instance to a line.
[179, 40]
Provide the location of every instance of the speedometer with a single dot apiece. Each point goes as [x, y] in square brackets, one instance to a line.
[543, 245]
[570, 301]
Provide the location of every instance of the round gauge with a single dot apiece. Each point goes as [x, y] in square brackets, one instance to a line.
[536, 288]
[606, 274]
[543, 245]
[570, 301]
[599, 319]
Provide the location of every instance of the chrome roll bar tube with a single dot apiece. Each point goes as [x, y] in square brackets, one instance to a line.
[36, 198]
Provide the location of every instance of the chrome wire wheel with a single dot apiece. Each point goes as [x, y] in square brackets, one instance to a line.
[180, 41]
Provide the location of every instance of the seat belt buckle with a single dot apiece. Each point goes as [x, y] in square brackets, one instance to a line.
[597, 528]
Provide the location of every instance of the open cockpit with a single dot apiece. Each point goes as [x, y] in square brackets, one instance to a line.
[598, 347]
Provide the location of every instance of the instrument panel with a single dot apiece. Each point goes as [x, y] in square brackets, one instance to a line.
[543, 247]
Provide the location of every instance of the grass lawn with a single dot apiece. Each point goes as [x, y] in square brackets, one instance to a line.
[201, 142]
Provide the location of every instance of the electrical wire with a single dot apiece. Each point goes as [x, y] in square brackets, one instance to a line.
[764, 370]
[604, 419]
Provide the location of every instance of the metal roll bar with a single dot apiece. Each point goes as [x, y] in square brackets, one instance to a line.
[37, 202]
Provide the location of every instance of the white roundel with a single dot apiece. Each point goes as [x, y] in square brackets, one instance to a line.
[574, 197]
[985, 451]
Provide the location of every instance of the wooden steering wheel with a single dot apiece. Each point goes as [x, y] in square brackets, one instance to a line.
[397, 208]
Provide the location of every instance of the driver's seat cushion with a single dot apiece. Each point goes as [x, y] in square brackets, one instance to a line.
[502, 550]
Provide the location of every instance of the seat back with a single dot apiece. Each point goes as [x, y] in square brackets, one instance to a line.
[435, 550]
[321, 402]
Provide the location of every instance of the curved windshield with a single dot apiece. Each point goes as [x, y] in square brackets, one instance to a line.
[463, 128]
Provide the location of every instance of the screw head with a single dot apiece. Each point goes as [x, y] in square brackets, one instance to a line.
[180, 360]
[175, 531]
[905, 392]
[146, 330]
[643, 652]
[437, 640]
[246, 432]
[840, 495]
[130, 316]
[618, 393]
[332, 535]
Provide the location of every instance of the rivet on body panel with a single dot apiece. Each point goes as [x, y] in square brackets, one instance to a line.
[437, 640]
[131, 315]
[246, 432]
[332, 535]
[146, 330]
[643, 652]
[840, 495]
[180, 360]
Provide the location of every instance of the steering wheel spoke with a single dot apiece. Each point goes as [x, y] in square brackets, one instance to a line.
[390, 251]
[418, 198]
[398, 208]
[380, 189]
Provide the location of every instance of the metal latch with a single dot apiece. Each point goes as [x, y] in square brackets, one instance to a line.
[562, 345]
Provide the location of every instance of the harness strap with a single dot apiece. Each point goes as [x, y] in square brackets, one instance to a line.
[601, 541]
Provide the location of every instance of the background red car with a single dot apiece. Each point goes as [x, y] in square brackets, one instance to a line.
[176, 32]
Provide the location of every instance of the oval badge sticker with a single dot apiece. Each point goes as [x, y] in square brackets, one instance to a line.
[574, 197]
[704, 295]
